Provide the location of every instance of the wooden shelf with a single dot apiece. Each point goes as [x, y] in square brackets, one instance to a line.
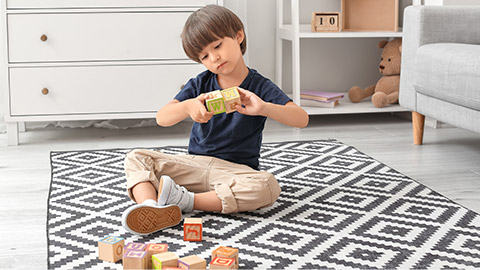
[345, 106]
[286, 32]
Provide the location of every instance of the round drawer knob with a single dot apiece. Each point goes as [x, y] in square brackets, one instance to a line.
[43, 38]
[45, 91]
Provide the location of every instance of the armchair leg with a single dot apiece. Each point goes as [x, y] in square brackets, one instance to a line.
[418, 121]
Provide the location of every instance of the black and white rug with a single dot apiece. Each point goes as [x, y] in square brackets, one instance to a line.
[339, 208]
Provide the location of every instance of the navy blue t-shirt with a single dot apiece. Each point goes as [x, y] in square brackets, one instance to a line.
[234, 136]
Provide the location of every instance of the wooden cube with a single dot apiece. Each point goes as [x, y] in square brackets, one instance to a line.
[325, 22]
[192, 229]
[231, 98]
[222, 263]
[153, 249]
[226, 252]
[134, 259]
[215, 102]
[192, 262]
[164, 259]
[134, 246]
[110, 248]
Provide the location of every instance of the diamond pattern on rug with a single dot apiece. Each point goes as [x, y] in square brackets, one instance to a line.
[339, 209]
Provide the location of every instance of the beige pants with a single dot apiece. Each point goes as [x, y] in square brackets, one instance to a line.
[239, 187]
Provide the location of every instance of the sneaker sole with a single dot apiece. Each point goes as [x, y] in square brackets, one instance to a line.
[147, 219]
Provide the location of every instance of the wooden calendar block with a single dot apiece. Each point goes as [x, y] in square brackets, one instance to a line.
[222, 263]
[192, 229]
[231, 98]
[226, 252]
[215, 102]
[110, 248]
[153, 249]
[134, 259]
[325, 21]
[164, 259]
[192, 262]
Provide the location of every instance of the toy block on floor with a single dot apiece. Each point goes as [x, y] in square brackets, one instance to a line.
[222, 263]
[110, 248]
[153, 249]
[215, 102]
[226, 252]
[192, 229]
[231, 98]
[164, 259]
[134, 246]
[134, 259]
[192, 262]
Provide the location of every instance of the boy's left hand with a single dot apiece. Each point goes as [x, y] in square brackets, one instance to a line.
[252, 104]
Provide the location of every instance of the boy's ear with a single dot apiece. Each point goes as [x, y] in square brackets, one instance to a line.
[240, 36]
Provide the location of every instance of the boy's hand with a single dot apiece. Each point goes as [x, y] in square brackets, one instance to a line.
[197, 110]
[252, 104]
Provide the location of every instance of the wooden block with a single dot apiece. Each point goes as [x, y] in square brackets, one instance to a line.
[110, 248]
[222, 263]
[134, 246]
[192, 262]
[226, 252]
[325, 22]
[134, 259]
[215, 102]
[231, 98]
[153, 249]
[164, 259]
[192, 229]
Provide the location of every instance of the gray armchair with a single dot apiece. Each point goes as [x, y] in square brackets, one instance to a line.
[440, 75]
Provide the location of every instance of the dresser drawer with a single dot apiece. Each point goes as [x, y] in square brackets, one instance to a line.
[95, 36]
[20, 4]
[92, 90]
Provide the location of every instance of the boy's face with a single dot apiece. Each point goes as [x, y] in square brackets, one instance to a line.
[222, 56]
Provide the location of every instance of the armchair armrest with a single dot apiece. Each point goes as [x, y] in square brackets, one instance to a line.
[433, 24]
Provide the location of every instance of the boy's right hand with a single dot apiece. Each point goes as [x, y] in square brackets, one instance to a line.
[197, 110]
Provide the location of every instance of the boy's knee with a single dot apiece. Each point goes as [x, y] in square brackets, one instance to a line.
[272, 187]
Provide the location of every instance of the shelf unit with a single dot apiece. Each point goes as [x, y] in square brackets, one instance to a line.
[295, 32]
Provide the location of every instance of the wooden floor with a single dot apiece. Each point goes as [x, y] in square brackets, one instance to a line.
[448, 162]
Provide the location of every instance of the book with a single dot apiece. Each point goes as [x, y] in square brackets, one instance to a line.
[321, 95]
[315, 103]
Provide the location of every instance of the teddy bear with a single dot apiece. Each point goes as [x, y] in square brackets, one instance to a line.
[385, 91]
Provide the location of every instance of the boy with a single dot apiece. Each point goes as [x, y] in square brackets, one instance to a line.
[221, 171]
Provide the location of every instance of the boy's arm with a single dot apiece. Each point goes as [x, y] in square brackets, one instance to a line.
[176, 111]
[289, 114]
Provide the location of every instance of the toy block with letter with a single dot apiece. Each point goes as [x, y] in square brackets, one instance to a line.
[215, 102]
[222, 263]
[134, 246]
[164, 259]
[192, 229]
[231, 98]
[325, 22]
[134, 259]
[153, 249]
[110, 248]
[226, 252]
[192, 262]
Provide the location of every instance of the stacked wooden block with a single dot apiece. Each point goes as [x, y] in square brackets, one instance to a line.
[220, 101]
[224, 258]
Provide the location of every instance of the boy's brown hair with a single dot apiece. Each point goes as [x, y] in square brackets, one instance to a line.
[207, 25]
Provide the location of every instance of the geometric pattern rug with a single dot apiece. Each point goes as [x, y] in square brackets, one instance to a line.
[339, 209]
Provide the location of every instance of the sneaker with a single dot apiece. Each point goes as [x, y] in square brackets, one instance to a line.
[171, 193]
[148, 217]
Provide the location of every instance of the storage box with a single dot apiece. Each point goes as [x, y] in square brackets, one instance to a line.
[369, 15]
[325, 21]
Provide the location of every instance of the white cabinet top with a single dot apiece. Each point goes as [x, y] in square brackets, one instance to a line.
[37, 4]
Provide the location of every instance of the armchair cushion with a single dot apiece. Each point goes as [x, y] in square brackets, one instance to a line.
[449, 72]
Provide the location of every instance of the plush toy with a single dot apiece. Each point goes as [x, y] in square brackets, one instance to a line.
[385, 91]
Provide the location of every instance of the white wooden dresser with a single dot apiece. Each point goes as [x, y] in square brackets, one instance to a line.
[92, 59]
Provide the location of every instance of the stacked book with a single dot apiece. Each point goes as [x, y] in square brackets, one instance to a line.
[320, 99]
